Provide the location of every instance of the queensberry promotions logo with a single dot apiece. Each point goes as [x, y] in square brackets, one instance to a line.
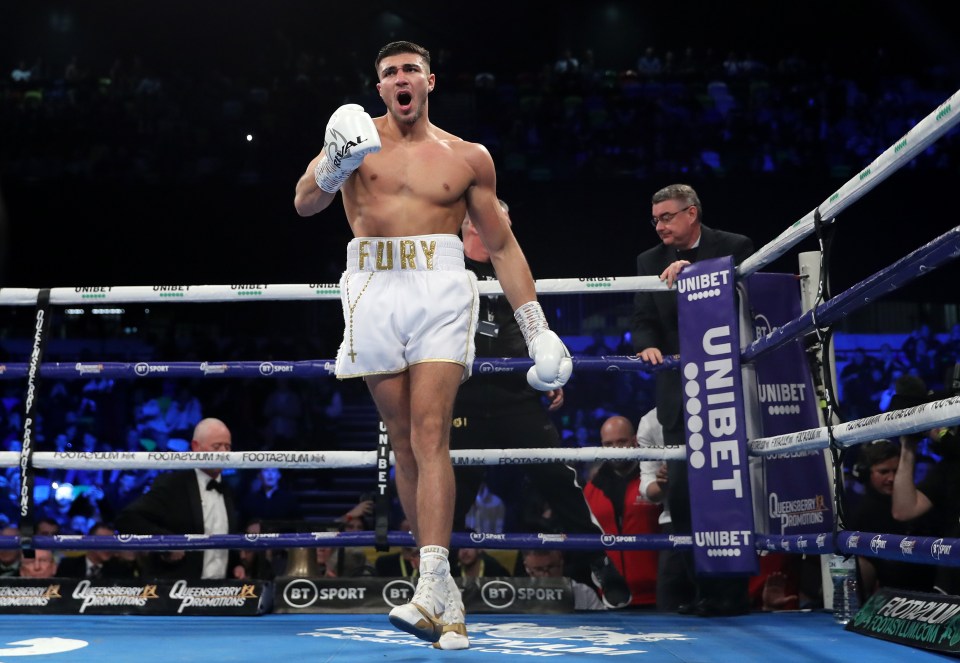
[877, 544]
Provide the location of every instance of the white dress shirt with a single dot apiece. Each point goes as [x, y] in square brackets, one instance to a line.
[214, 522]
[650, 434]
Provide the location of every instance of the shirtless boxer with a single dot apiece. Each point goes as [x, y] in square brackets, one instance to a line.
[410, 306]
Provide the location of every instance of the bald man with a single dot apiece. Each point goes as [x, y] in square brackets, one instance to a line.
[613, 493]
[188, 502]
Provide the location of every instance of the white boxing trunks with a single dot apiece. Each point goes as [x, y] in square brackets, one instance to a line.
[406, 300]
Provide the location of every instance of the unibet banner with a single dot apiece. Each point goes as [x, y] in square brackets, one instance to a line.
[718, 467]
[797, 484]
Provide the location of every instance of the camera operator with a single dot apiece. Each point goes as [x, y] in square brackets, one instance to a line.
[939, 492]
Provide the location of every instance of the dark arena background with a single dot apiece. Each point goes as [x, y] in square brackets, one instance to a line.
[159, 143]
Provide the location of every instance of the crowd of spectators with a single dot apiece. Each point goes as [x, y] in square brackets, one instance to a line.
[868, 378]
[691, 111]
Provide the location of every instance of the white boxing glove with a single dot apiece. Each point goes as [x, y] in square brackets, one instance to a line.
[552, 364]
[350, 136]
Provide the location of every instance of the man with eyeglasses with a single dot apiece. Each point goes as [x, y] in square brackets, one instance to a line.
[677, 219]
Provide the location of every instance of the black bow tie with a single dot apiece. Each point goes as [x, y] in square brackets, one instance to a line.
[213, 484]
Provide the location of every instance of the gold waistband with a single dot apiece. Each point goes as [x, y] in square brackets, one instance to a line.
[396, 254]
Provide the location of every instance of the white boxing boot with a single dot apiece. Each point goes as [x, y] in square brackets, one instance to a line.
[454, 634]
[421, 616]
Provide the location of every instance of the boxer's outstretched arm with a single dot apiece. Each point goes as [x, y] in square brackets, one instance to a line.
[552, 364]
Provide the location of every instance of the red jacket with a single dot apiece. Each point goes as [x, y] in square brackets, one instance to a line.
[634, 516]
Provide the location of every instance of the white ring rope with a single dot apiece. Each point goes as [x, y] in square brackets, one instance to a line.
[106, 295]
[945, 412]
[936, 414]
[310, 460]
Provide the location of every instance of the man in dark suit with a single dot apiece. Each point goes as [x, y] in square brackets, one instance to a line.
[677, 215]
[187, 502]
[96, 563]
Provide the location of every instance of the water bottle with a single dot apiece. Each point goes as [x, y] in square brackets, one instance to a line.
[846, 600]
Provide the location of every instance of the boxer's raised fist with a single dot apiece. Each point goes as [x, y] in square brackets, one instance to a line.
[350, 136]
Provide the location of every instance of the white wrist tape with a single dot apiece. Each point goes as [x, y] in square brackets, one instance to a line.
[329, 177]
[531, 320]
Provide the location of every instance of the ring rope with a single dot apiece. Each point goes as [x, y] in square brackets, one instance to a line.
[931, 255]
[104, 295]
[312, 460]
[945, 412]
[547, 541]
[286, 369]
[913, 549]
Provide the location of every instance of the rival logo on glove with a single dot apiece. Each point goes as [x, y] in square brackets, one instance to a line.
[340, 154]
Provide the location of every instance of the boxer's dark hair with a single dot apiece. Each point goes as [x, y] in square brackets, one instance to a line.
[398, 47]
